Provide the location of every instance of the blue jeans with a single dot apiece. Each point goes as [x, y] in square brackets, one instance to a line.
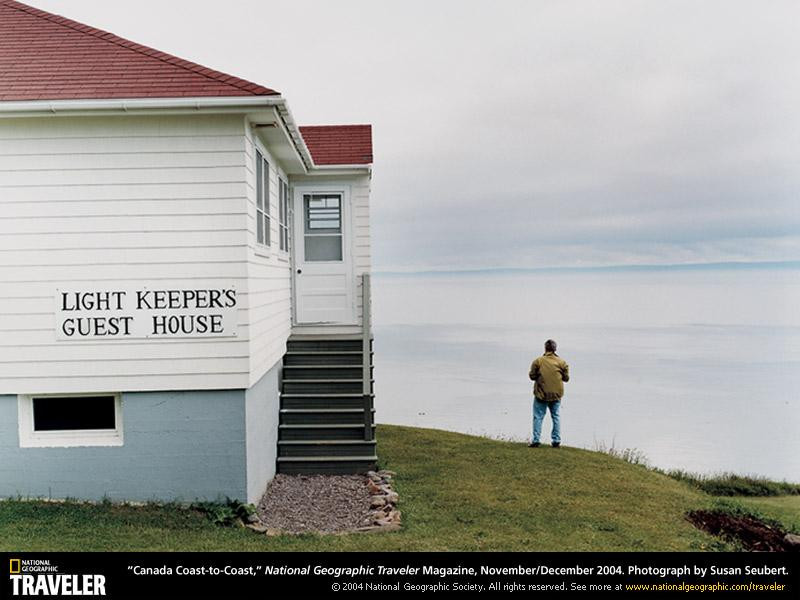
[539, 411]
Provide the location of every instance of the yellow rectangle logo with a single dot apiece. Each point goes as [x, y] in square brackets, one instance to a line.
[13, 566]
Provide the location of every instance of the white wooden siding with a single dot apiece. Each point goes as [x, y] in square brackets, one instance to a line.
[115, 200]
[268, 272]
[362, 249]
[138, 199]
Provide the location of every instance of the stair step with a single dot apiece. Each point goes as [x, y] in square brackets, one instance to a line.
[324, 425]
[321, 410]
[323, 386]
[325, 442]
[331, 458]
[323, 372]
[349, 380]
[324, 357]
[295, 345]
[316, 448]
[330, 465]
[322, 401]
[326, 431]
[313, 395]
[333, 416]
[324, 352]
[335, 368]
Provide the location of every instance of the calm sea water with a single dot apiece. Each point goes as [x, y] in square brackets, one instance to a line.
[696, 369]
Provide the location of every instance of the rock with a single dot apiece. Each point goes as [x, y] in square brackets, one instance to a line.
[384, 473]
[387, 525]
[372, 474]
[394, 516]
[378, 501]
[257, 528]
[273, 532]
[792, 540]
[373, 489]
[252, 518]
[392, 497]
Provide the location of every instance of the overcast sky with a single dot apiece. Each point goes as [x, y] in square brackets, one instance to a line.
[531, 133]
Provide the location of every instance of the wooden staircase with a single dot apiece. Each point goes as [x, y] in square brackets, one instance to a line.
[327, 422]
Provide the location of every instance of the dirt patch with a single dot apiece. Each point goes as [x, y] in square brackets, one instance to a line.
[316, 503]
[753, 534]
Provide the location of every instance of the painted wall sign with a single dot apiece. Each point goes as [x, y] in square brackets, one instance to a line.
[146, 312]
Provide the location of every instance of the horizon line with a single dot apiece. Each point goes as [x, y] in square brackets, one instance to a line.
[599, 268]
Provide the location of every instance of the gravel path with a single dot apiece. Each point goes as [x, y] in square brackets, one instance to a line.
[315, 503]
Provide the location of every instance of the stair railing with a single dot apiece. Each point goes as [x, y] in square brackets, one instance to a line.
[366, 359]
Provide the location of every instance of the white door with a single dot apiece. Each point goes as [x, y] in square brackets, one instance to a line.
[323, 271]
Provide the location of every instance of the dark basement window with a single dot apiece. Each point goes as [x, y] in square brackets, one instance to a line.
[74, 413]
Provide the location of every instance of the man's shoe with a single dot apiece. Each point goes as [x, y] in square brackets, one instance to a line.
[534, 445]
[556, 444]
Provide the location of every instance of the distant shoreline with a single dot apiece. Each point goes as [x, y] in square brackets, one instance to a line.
[730, 266]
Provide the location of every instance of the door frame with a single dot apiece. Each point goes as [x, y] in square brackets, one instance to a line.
[298, 231]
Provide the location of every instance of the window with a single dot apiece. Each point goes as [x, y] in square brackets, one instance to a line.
[322, 227]
[283, 217]
[65, 421]
[262, 200]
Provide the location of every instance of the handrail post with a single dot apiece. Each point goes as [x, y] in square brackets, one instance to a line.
[366, 348]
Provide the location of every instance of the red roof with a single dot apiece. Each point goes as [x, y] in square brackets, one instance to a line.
[339, 144]
[47, 57]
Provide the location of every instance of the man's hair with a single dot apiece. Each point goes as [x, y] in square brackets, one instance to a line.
[550, 346]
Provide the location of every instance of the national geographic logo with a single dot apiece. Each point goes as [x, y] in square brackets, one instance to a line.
[40, 577]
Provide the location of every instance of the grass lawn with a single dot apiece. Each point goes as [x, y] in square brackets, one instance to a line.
[785, 509]
[457, 492]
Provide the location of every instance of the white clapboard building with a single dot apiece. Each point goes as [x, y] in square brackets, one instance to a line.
[184, 275]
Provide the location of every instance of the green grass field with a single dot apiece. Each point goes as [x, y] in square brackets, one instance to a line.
[457, 492]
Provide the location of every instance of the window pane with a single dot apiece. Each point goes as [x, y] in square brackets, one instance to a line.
[91, 412]
[267, 231]
[260, 226]
[266, 187]
[323, 247]
[259, 182]
[323, 213]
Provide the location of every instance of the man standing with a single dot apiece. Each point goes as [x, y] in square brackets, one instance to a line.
[549, 371]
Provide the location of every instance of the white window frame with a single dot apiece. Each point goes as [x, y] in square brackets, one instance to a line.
[67, 438]
[325, 232]
[263, 214]
[283, 216]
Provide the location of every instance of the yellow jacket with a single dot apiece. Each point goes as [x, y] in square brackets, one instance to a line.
[549, 371]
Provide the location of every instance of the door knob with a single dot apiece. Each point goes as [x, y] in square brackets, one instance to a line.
[299, 271]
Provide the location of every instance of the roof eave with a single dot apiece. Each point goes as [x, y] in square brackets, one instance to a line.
[342, 169]
[151, 106]
[193, 105]
[134, 105]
